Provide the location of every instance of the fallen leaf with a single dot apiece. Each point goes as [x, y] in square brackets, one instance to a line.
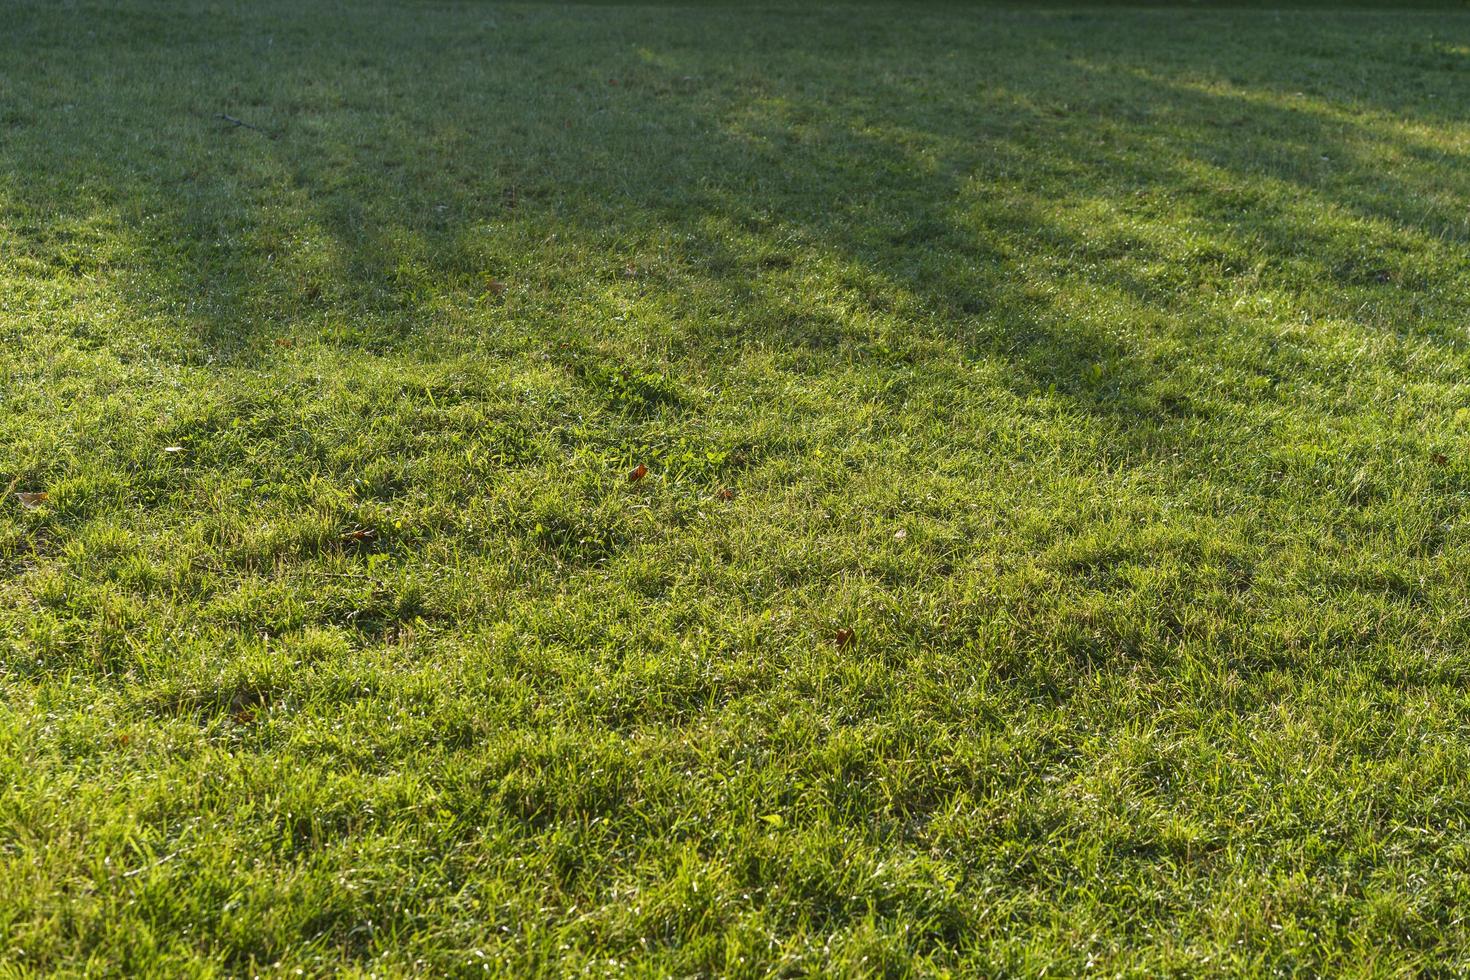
[638, 473]
[900, 534]
[31, 501]
[244, 716]
[1441, 458]
[285, 342]
[725, 493]
[497, 287]
[359, 534]
[844, 637]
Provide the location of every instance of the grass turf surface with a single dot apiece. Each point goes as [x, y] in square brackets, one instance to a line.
[1101, 371]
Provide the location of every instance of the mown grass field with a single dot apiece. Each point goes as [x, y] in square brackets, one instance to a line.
[1053, 545]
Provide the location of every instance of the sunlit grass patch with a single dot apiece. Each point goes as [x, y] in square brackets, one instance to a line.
[703, 490]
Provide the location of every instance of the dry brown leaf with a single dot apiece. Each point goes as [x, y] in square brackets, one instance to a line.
[285, 342]
[638, 473]
[497, 287]
[725, 493]
[844, 638]
[30, 501]
[1441, 458]
[359, 534]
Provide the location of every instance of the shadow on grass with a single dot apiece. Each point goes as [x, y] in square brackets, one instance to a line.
[1053, 193]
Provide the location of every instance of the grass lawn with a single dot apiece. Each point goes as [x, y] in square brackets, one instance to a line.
[1051, 551]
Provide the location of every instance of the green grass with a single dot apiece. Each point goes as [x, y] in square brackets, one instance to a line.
[1103, 371]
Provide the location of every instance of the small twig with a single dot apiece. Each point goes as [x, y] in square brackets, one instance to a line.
[149, 867]
[241, 122]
